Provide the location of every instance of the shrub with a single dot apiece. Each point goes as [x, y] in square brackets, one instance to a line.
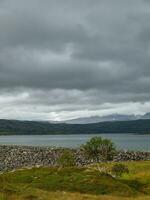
[119, 169]
[99, 149]
[66, 159]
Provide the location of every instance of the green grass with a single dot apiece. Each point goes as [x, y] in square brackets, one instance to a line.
[77, 183]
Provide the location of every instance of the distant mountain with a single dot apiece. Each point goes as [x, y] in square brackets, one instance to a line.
[146, 116]
[107, 118]
[96, 119]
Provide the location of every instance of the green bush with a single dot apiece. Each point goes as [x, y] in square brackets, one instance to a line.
[119, 169]
[99, 149]
[66, 159]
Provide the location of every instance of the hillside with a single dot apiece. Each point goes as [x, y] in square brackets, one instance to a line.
[8, 127]
[77, 183]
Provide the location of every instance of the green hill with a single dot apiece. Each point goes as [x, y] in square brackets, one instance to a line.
[8, 127]
[77, 183]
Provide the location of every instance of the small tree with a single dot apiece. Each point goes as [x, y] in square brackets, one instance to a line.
[119, 169]
[99, 149]
[66, 159]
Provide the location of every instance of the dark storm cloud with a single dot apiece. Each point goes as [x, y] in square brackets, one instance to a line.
[56, 56]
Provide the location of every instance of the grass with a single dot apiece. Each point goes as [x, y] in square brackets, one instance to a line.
[77, 183]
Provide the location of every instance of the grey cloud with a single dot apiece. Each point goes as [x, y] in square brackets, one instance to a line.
[74, 55]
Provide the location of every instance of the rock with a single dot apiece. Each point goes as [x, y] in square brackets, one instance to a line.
[17, 157]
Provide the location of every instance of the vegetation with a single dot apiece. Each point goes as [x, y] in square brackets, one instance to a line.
[99, 149]
[10, 127]
[66, 159]
[77, 183]
[119, 169]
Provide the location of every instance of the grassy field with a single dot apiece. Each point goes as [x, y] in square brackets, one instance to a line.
[77, 183]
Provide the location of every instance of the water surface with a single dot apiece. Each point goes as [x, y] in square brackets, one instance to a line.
[122, 141]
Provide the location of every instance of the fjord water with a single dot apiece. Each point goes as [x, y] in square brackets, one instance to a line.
[122, 141]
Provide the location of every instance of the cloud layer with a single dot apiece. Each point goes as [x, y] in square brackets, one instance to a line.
[64, 59]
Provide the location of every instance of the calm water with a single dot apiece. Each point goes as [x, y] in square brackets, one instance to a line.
[122, 141]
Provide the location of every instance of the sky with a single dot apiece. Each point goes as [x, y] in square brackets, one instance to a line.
[63, 59]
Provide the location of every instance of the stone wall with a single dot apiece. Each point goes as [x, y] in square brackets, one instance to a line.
[132, 156]
[15, 157]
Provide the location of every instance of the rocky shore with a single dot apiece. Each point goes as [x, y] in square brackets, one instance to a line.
[15, 157]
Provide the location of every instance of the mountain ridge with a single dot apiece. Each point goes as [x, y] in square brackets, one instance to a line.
[14, 127]
[106, 118]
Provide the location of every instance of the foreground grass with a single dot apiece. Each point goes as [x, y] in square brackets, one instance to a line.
[41, 195]
[77, 183]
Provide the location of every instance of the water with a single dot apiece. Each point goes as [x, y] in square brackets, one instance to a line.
[122, 141]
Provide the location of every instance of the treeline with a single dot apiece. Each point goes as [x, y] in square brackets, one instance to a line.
[10, 127]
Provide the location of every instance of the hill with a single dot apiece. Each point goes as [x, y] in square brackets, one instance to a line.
[77, 183]
[10, 127]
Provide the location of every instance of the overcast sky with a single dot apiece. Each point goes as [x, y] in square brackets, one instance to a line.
[62, 59]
